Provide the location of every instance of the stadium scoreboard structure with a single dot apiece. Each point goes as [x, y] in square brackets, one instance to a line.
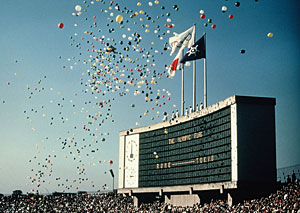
[220, 147]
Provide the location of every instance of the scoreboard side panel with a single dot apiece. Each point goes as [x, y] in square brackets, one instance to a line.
[121, 161]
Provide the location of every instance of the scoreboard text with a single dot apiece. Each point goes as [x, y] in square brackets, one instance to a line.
[193, 152]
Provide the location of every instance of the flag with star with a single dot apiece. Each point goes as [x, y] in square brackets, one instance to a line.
[197, 51]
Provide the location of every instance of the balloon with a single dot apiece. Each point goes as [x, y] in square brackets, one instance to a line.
[119, 18]
[202, 16]
[209, 20]
[237, 4]
[270, 35]
[156, 2]
[139, 4]
[230, 16]
[201, 11]
[224, 9]
[111, 162]
[78, 8]
[60, 25]
[243, 51]
[213, 26]
[150, 3]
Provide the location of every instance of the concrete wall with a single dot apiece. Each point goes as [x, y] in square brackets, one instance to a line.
[182, 200]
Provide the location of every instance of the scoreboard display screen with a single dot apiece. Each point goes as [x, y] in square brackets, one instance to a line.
[194, 152]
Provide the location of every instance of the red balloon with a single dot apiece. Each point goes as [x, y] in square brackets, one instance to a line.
[213, 26]
[60, 25]
[111, 162]
[202, 16]
[230, 16]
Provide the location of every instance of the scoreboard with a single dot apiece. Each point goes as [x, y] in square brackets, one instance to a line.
[229, 143]
[197, 151]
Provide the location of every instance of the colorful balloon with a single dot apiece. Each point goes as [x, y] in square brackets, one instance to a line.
[119, 18]
[270, 35]
[60, 25]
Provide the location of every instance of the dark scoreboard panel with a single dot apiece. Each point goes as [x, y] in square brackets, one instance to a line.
[194, 152]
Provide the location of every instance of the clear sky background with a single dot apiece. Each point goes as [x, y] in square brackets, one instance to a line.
[59, 129]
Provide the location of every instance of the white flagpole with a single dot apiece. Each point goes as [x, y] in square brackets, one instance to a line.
[194, 78]
[205, 76]
[182, 90]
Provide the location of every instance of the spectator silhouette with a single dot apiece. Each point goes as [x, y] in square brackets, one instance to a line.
[289, 179]
[293, 177]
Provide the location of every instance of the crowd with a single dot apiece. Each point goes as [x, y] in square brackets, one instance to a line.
[286, 199]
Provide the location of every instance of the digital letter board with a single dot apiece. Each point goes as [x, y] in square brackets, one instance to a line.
[193, 152]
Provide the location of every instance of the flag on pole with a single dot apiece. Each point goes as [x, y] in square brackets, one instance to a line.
[175, 65]
[178, 43]
[197, 51]
[184, 39]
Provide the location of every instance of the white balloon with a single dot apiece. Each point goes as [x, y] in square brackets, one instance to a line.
[78, 8]
[150, 3]
[201, 11]
[224, 9]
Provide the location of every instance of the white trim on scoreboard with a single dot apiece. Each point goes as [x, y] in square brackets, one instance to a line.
[131, 152]
[121, 161]
[234, 143]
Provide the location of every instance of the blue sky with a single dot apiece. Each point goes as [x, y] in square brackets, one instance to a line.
[53, 134]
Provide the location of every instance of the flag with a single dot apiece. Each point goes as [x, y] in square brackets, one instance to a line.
[184, 39]
[197, 51]
[175, 65]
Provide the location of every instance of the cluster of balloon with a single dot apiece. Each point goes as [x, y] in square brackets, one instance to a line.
[46, 161]
[114, 69]
[203, 16]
